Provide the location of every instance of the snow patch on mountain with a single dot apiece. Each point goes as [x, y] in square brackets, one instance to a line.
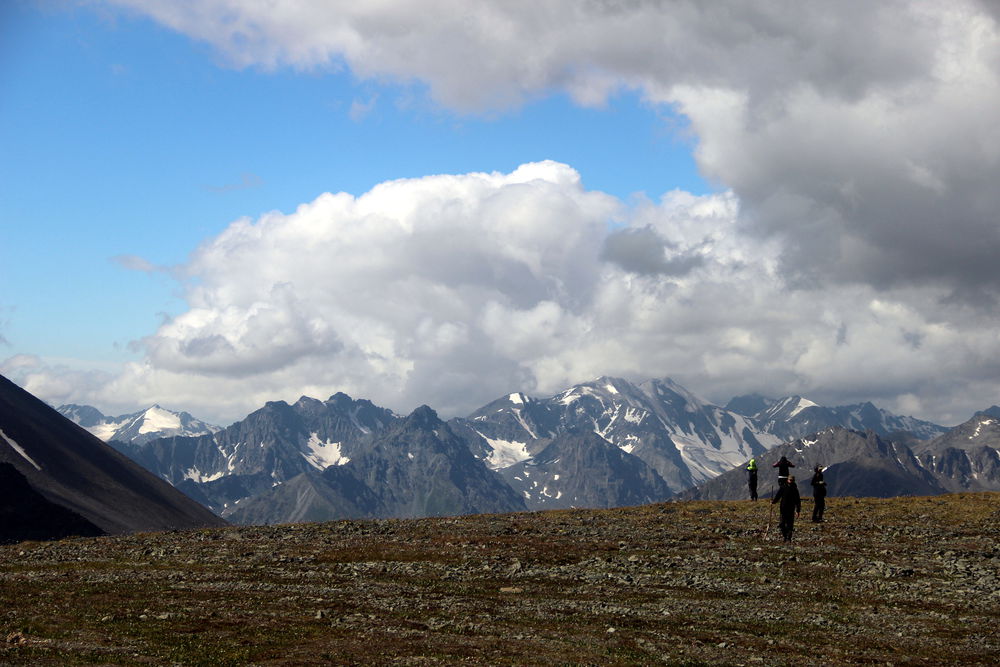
[20, 450]
[707, 462]
[801, 405]
[323, 454]
[196, 475]
[979, 427]
[505, 453]
[107, 430]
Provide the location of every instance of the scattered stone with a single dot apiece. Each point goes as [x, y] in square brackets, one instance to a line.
[17, 638]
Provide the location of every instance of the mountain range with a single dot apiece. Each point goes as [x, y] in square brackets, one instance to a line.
[855, 463]
[136, 428]
[794, 417]
[604, 443]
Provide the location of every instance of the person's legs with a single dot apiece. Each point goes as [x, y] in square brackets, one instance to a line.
[817, 508]
[787, 526]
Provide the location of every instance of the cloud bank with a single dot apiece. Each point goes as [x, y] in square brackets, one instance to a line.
[852, 253]
[452, 290]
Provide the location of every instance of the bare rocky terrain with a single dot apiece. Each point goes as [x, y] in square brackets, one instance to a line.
[902, 581]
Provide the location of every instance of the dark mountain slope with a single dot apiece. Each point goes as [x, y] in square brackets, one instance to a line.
[74, 469]
[26, 514]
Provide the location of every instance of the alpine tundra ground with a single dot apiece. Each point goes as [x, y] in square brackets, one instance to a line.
[906, 581]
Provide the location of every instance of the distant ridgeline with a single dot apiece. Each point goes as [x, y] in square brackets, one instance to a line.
[603, 443]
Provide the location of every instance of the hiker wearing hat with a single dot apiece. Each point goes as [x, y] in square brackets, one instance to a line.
[789, 507]
[783, 465]
[752, 478]
[819, 494]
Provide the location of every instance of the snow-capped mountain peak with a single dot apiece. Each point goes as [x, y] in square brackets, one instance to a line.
[138, 427]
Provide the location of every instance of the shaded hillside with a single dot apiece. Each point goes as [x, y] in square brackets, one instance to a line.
[907, 581]
[75, 470]
[26, 514]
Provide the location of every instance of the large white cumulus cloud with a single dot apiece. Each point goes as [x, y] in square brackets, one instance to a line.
[434, 287]
[860, 133]
[452, 290]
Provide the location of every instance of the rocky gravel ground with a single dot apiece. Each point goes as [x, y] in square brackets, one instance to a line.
[906, 581]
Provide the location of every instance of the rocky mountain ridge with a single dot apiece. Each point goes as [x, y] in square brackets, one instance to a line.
[416, 467]
[794, 417]
[683, 438]
[866, 464]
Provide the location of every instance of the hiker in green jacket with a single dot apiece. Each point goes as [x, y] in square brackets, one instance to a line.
[752, 478]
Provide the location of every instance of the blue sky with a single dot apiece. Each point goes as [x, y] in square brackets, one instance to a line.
[787, 198]
[123, 138]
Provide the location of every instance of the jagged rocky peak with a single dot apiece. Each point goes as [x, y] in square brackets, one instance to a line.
[308, 402]
[423, 417]
[613, 477]
[340, 400]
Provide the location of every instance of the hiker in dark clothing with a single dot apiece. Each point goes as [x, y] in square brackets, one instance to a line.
[752, 478]
[783, 465]
[819, 494]
[789, 508]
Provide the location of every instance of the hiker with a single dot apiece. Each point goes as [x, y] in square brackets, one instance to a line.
[789, 507]
[783, 465]
[752, 478]
[819, 494]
